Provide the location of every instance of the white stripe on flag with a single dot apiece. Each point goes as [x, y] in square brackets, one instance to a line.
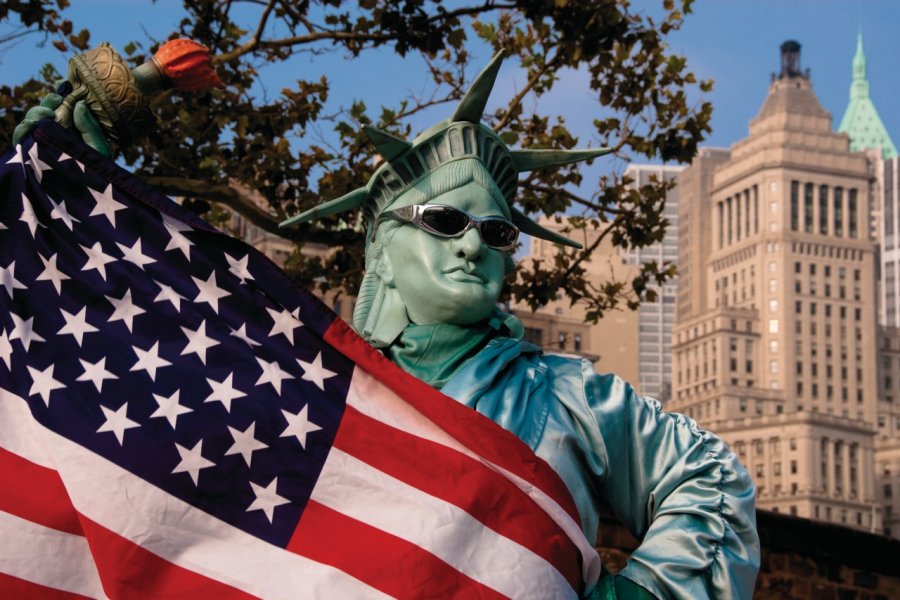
[48, 557]
[375, 400]
[19, 433]
[436, 526]
[178, 532]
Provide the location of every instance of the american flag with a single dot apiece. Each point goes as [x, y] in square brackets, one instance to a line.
[177, 419]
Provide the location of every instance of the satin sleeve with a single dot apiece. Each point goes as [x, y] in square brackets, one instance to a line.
[678, 488]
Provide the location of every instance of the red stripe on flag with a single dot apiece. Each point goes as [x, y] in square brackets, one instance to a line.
[477, 489]
[129, 571]
[476, 431]
[36, 494]
[384, 561]
[20, 589]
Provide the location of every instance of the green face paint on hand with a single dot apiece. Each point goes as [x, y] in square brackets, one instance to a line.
[446, 280]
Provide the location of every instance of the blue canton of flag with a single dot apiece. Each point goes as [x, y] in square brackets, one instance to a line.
[177, 418]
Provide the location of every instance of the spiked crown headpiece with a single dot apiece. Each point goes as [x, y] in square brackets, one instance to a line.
[462, 136]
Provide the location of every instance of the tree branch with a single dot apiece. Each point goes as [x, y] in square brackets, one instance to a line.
[527, 87]
[253, 42]
[245, 201]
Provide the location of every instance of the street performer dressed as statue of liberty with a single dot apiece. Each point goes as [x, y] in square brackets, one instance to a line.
[440, 228]
[441, 225]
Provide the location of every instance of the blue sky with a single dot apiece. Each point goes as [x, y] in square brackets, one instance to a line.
[733, 42]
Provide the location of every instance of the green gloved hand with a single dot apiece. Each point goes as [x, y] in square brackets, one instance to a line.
[43, 111]
[85, 123]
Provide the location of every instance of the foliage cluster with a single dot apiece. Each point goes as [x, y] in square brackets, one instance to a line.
[259, 157]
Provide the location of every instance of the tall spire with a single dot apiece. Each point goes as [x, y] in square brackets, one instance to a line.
[860, 86]
[861, 121]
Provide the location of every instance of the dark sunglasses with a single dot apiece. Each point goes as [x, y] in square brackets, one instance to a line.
[448, 222]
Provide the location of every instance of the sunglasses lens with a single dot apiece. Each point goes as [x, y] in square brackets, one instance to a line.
[498, 233]
[445, 219]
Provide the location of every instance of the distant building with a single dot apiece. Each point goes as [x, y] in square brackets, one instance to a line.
[861, 121]
[656, 318]
[780, 356]
[612, 343]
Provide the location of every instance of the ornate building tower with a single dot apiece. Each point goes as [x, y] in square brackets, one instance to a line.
[861, 121]
[781, 362]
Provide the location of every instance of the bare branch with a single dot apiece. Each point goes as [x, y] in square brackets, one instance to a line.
[522, 93]
[253, 42]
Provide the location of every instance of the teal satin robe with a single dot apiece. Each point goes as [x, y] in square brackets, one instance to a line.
[675, 486]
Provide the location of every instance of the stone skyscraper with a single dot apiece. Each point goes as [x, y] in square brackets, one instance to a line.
[779, 357]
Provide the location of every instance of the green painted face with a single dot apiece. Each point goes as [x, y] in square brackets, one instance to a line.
[446, 280]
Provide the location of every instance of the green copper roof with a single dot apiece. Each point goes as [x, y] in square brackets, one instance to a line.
[861, 121]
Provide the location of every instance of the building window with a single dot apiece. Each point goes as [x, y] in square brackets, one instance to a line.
[578, 342]
[851, 212]
[838, 211]
[773, 325]
[534, 335]
[795, 205]
[808, 208]
[823, 209]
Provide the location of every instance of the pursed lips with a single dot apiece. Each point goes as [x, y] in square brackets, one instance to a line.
[465, 273]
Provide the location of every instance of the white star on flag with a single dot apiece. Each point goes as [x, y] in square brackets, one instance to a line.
[192, 461]
[106, 205]
[134, 254]
[299, 425]
[125, 309]
[168, 294]
[28, 217]
[64, 157]
[42, 383]
[18, 158]
[149, 360]
[267, 499]
[209, 291]
[52, 273]
[96, 373]
[238, 268]
[76, 325]
[5, 349]
[62, 213]
[37, 165]
[170, 408]
[241, 334]
[244, 443]
[117, 422]
[9, 281]
[272, 373]
[177, 241]
[223, 391]
[285, 322]
[97, 259]
[23, 329]
[198, 341]
[315, 372]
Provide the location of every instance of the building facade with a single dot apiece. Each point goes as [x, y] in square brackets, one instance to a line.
[656, 318]
[780, 357]
[611, 343]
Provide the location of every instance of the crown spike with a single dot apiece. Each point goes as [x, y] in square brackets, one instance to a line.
[471, 108]
[389, 146]
[348, 201]
[531, 228]
[529, 160]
